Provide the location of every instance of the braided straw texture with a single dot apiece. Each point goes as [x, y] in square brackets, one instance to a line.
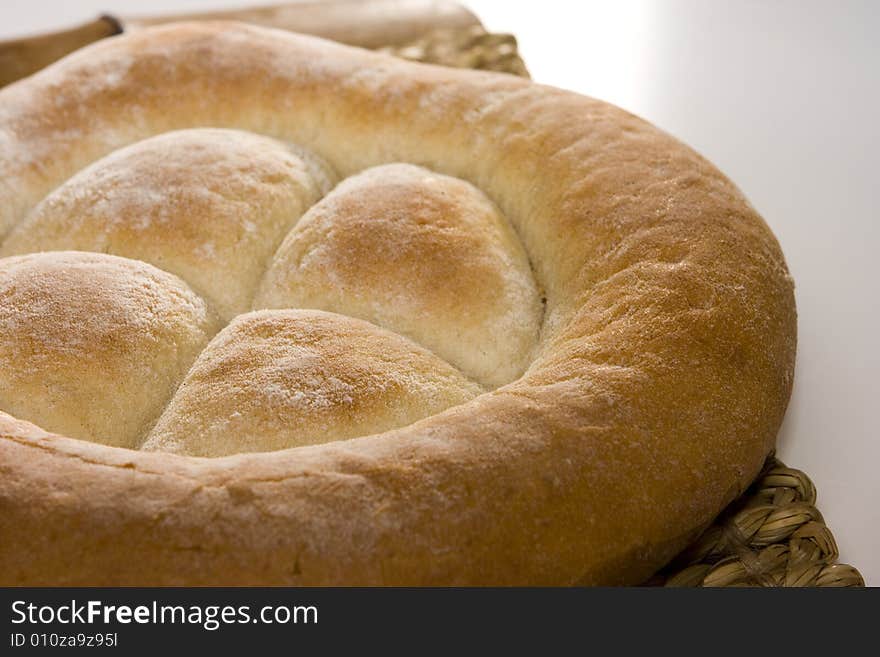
[471, 47]
[771, 536]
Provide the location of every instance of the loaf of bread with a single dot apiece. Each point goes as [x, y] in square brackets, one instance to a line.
[276, 311]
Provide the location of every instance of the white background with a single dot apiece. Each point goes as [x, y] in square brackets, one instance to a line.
[784, 96]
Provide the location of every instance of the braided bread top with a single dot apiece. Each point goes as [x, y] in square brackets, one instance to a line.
[434, 326]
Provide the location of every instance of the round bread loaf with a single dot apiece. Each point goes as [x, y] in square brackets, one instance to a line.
[92, 345]
[425, 255]
[284, 378]
[526, 339]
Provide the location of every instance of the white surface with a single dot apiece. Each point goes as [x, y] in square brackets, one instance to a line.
[784, 97]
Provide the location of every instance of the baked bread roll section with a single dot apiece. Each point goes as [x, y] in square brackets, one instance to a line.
[425, 255]
[470, 329]
[284, 378]
[92, 345]
[207, 205]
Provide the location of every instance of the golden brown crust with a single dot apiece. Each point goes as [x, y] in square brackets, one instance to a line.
[425, 255]
[93, 346]
[275, 379]
[208, 205]
[660, 379]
